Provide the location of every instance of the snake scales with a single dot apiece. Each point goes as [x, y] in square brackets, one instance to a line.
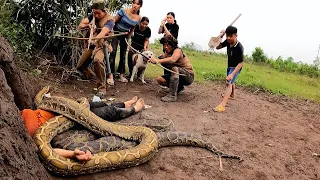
[120, 145]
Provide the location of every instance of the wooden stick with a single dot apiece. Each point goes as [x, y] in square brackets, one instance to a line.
[105, 37]
[91, 31]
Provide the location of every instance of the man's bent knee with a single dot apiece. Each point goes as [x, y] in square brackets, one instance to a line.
[176, 70]
[161, 80]
[86, 56]
[99, 57]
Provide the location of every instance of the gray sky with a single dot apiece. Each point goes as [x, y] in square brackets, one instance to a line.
[280, 27]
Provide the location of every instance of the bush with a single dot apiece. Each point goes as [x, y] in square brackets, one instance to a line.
[258, 55]
[287, 65]
[21, 42]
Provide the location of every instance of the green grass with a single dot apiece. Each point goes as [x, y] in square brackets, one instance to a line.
[211, 66]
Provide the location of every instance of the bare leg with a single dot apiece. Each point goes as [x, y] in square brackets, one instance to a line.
[233, 89]
[161, 81]
[130, 102]
[232, 93]
[223, 103]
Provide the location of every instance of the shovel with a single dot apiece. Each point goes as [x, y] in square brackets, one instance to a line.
[215, 41]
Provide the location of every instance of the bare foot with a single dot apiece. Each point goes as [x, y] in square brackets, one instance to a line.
[130, 102]
[135, 99]
[139, 105]
[82, 156]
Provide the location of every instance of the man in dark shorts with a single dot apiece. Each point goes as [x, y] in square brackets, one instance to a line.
[235, 64]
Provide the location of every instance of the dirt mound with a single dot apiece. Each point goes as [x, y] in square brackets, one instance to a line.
[18, 158]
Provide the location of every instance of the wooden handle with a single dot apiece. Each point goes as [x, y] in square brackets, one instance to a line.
[235, 20]
[91, 31]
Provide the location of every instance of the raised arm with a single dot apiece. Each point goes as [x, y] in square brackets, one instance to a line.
[223, 44]
[161, 28]
[84, 24]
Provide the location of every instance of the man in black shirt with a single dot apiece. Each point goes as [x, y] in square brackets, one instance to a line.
[235, 63]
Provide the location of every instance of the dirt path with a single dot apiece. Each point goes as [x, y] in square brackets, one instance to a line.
[275, 136]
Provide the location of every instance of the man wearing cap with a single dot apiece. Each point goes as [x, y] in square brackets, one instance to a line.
[104, 23]
[235, 63]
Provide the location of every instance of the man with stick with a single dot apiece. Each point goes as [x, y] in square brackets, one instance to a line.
[100, 23]
[235, 63]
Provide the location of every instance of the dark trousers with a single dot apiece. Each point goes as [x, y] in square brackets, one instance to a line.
[112, 112]
[183, 80]
[119, 40]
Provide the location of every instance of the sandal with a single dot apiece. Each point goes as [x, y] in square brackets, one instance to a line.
[123, 79]
[219, 109]
[110, 82]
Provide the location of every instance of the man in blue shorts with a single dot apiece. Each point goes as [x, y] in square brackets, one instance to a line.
[235, 63]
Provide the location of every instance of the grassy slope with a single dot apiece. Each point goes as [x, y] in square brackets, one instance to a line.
[210, 66]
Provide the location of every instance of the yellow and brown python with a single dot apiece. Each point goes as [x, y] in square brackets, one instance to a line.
[80, 113]
[100, 144]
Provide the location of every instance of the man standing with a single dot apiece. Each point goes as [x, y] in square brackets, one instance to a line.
[235, 64]
[104, 23]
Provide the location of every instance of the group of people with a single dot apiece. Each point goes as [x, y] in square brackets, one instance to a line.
[128, 22]
[132, 26]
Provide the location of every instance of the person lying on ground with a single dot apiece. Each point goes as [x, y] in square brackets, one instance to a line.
[235, 64]
[33, 119]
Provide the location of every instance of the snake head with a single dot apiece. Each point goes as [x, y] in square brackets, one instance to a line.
[41, 94]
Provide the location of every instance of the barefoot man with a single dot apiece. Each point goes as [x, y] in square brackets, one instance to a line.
[235, 63]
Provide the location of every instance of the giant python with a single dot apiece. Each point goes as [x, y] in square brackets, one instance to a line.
[133, 145]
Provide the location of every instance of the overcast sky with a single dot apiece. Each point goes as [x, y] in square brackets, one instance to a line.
[281, 27]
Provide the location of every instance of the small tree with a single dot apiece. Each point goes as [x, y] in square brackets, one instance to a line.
[190, 46]
[258, 55]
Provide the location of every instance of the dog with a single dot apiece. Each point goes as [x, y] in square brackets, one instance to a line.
[140, 64]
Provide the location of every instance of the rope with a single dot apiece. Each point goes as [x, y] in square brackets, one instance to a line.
[149, 60]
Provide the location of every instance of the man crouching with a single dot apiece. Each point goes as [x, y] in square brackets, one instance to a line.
[175, 60]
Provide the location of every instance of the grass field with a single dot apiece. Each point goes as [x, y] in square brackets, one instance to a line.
[212, 66]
